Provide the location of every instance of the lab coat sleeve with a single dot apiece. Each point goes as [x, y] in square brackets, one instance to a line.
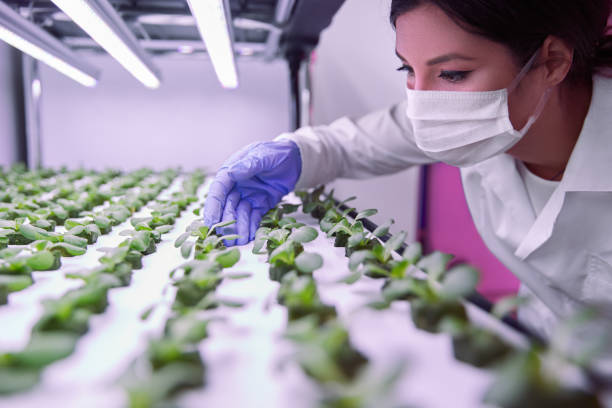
[376, 144]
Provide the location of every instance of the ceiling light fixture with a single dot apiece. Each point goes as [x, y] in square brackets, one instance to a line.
[99, 19]
[213, 20]
[36, 42]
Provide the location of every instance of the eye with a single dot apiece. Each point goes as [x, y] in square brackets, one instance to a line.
[454, 76]
[406, 68]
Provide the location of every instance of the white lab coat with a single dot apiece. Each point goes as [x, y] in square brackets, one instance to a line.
[563, 255]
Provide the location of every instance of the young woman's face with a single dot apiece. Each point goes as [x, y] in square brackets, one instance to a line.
[437, 54]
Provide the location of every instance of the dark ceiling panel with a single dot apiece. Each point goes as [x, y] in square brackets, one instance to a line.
[302, 31]
[309, 19]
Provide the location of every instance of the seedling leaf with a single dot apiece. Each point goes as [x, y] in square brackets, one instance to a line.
[507, 305]
[359, 257]
[352, 278]
[304, 234]
[308, 262]
[413, 253]
[228, 258]
[383, 229]
[186, 248]
[366, 213]
[459, 282]
[434, 264]
[41, 261]
[181, 239]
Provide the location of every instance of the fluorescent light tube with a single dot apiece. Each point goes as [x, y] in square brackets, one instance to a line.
[33, 40]
[213, 22]
[100, 20]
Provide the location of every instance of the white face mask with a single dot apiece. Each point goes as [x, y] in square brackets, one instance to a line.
[466, 128]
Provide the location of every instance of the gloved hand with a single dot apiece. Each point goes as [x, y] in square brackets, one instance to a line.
[250, 183]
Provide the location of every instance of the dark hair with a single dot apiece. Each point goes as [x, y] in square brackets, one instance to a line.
[523, 25]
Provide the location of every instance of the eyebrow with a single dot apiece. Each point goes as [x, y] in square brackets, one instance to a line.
[441, 59]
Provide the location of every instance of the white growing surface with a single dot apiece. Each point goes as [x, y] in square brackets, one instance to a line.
[389, 337]
[25, 306]
[248, 363]
[114, 337]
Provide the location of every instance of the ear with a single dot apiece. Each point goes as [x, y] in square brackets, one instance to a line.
[556, 58]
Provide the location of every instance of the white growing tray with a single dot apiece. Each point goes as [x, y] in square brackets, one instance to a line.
[247, 359]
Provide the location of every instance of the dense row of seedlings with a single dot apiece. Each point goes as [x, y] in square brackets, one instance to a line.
[18, 185]
[172, 362]
[35, 199]
[323, 347]
[530, 377]
[28, 238]
[66, 319]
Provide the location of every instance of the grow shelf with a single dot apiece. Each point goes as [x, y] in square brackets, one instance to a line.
[247, 358]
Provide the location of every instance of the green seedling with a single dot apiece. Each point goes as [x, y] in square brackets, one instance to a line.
[524, 381]
[324, 352]
[141, 241]
[16, 379]
[441, 297]
[187, 328]
[299, 294]
[378, 262]
[282, 259]
[42, 350]
[44, 260]
[90, 232]
[275, 218]
[206, 239]
[15, 266]
[433, 300]
[474, 345]
[313, 204]
[199, 279]
[165, 382]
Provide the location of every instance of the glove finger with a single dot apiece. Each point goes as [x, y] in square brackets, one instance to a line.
[274, 197]
[257, 199]
[243, 212]
[229, 214]
[216, 198]
[256, 216]
[260, 197]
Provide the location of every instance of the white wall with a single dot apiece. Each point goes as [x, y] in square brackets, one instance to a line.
[355, 73]
[9, 108]
[189, 121]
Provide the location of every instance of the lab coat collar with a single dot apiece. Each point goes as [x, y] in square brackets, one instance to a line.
[590, 165]
[588, 169]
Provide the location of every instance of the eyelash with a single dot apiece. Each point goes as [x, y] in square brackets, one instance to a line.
[450, 76]
[454, 76]
[405, 68]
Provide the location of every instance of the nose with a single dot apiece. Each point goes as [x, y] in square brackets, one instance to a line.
[419, 83]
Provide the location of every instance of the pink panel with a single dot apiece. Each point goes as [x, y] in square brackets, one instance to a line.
[450, 229]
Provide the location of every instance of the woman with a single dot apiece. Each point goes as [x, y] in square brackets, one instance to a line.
[510, 92]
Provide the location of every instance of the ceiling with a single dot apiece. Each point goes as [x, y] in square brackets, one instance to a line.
[266, 29]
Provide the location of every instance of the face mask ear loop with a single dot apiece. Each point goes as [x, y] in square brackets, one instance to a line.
[538, 111]
[523, 72]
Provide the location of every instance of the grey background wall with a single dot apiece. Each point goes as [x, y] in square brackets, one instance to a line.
[10, 104]
[355, 73]
[190, 120]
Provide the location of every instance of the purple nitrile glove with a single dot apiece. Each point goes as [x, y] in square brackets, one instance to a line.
[250, 183]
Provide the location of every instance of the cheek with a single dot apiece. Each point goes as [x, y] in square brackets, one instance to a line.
[522, 104]
[516, 109]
